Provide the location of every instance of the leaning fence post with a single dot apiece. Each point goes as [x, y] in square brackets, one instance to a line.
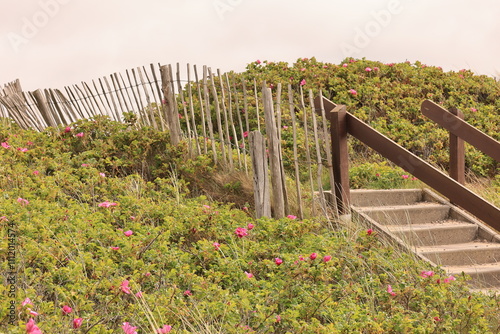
[457, 153]
[260, 174]
[172, 116]
[277, 181]
[340, 157]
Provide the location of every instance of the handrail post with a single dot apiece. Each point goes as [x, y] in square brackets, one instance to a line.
[340, 158]
[457, 153]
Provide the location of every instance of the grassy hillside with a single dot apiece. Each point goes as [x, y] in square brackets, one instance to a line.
[104, 236]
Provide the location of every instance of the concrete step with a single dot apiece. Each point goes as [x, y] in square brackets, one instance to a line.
[426, 223]
[464, 254]
[484, 278]
[371, 197]
[435, 233]
[424, 212]
[493, 291]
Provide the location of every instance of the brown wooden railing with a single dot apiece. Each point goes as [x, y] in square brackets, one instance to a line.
[343, 123]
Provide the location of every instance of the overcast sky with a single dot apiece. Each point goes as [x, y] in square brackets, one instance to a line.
[53, 43]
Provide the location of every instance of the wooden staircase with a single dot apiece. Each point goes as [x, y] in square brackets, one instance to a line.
[437, 231]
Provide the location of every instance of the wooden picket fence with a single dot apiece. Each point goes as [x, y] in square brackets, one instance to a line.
[242, 125]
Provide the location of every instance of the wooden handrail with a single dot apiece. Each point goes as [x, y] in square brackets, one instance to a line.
[462, 129]
[413, 164]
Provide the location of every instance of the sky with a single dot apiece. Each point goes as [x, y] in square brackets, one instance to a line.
[56, 43]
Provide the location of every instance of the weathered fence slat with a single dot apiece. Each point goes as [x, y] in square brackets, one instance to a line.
[191, 110]
[260, 174]
[184, 109]
[308, 151]
[148, 109]
[159, 103]
[277, 181]
[83, 102]
[131, 89]
[327, 145]
[319, 159]
[55, 107]
[209, 113]
[245, 104]
[172, 116]
[227, 141]
[44, 108]
[255, 90]
[231, 122]
[241, 147]
[295, 152]
[202, 109]
[218, 116]
[75, 103]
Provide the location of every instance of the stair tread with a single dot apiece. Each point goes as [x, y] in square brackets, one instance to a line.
[486, 291]
[474, 245]
[439, 224]
[477, 268]
[416, 205]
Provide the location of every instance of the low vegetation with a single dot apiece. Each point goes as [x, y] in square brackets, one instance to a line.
[107, 228]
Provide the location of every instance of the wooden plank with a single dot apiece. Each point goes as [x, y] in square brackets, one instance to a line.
[131, 88]
[30, 115]
[151, 87]
[245, 104]
[63, 101]
[17, 107]
[160, 97]
[184, 109]
[319, 161]
[83, 101]
[218, 116]
[56, 109]
[340, 159]
[116, 84]
[101, 108]
[156, 83]
[202, 110]
[278, 199]
[426, 173]
[231, 120]
[226, 121]
[457, 153]
[142, 110]
[241, 146]
[176, 109]
[327, 143]
[256, 103]
[118, 92]
[206, 97]
[308, 152]
[74, 102]
[295, 152]
[191, 110]
[44, 108]
[148, 110]
[117, 114]
[172, 116]
[94, 105]
[462, 129]
[103, 91]
[128, 93]
[260, 174]
[280, 148]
